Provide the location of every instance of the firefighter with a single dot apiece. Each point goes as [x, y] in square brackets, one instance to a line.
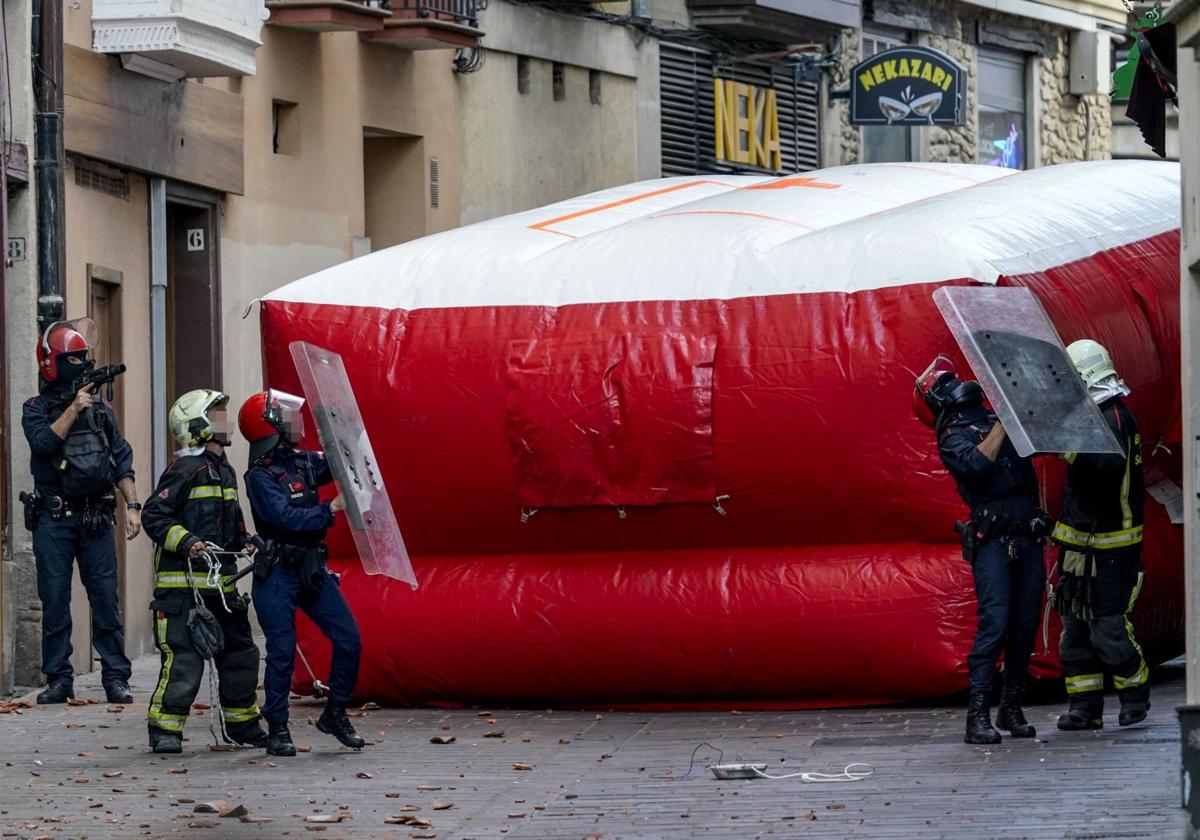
[77, 456]
[1001, 541]
[192, 515]
[1099, 534]
[282, 487]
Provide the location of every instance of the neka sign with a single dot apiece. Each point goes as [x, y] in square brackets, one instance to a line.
[907, 86]
[746, 125]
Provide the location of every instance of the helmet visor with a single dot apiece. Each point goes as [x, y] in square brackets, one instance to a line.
[86, 328]
[940, 366]
[285, 412]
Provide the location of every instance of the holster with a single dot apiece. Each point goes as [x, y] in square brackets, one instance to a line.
[265, 559]
[970, 540]
[32, 503]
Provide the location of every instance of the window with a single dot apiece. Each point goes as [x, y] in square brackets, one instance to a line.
[559, 82]
[522, 74]
[1002, 122]
[884, 143]
[594, 86]
[285, 128]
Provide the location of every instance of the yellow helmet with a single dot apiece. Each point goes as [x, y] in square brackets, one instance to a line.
[189, 420]
[1092, 361]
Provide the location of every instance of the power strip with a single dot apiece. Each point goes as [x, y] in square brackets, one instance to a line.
[738, 771]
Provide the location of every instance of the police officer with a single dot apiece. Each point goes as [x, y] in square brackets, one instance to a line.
[77, 455]
[282, 487]
[192, 513]
[1099, 534]
[1002, 541]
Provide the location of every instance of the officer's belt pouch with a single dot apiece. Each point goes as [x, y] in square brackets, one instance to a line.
[265, 560]
[205, 632]
[305, 561]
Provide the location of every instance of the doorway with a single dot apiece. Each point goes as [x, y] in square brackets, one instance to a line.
[104, 307]
[394, 199]
[193, 297]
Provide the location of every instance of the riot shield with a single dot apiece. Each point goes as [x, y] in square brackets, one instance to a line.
[1021, 363]
[352, 461]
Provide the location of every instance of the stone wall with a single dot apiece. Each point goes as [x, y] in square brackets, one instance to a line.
[1065, 127]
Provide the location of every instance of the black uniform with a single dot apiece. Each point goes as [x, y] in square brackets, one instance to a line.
[71, 527]
[282, 488]
[1003, 545]
[1100, 537]
[197, 499]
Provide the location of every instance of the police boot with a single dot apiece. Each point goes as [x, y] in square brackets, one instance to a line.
[1135, 703]
[118, 691]
[1009, 716]
[1083, 713]
[59, 691]
[279, 741]
[979, 722]
[333, 721]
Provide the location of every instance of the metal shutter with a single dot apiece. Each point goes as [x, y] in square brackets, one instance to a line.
[686, 75]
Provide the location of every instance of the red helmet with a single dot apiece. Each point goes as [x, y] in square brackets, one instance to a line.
[939, 388]
[268, 418]
[62, 338]
[252, 418]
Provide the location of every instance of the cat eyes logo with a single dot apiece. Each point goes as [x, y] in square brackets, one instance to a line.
[907, 86]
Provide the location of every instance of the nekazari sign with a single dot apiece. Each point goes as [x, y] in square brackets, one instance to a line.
[907, 86]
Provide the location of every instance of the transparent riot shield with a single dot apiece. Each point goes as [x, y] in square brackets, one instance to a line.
[1021, 363]
[352, 461]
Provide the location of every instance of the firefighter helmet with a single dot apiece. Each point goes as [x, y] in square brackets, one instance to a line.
[193, 419]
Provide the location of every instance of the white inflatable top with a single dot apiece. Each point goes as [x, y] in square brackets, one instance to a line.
[844, 229]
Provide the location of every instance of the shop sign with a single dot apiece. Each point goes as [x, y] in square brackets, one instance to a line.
[746, 125]
[907, 86]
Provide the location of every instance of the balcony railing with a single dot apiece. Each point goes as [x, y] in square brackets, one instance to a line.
[455, 11]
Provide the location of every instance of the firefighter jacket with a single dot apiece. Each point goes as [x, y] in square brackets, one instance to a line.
[1105, 494]
[282, 488]
[196, 499]
[1008, 484]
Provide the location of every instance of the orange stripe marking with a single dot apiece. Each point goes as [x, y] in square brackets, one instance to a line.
[630, 200]
[785, 183]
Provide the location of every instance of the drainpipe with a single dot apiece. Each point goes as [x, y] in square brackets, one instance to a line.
[158, 326]
[48, 164]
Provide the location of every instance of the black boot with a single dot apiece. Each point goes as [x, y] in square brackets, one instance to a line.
[1135, 704]
[59, 691]
[1009, 716]
[333, 721]
[166, 742]
[254, 736]
[979, 722]
[118, 691]
[279, 741]
[1084, 712]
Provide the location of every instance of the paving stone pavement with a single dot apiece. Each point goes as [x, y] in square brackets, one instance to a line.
[84, 771]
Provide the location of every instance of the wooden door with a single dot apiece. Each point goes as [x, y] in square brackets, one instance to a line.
[104, 307]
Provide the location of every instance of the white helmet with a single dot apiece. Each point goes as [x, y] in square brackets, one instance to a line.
[1091, 360]
[189, 420]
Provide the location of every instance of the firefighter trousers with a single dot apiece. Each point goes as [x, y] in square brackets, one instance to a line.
[182, 666]
[1104, 643]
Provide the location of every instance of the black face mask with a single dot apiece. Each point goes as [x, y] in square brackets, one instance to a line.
[68, 372]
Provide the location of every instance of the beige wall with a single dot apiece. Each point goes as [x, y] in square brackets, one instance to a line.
[300, 213]
[526, 150]
[113, 233]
